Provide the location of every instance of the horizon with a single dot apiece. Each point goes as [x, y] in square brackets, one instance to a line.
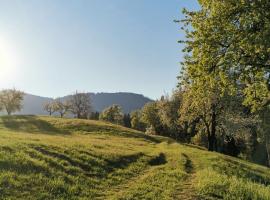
[54, 48]
[87, 92]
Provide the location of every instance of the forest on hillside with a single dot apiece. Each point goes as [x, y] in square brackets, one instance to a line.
[223, 98]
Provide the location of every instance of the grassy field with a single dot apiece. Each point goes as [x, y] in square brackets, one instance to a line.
[51, 158]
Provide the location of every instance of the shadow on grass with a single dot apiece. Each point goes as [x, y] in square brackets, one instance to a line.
[188, 164]
[30, 124]
[34, 124]
[91, 166]
[158, 160]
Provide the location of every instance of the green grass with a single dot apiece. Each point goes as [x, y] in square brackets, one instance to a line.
[52, 158]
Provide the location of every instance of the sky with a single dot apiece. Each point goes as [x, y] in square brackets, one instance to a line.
[54, 47]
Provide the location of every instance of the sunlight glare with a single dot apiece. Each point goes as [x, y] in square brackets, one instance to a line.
[8, 60]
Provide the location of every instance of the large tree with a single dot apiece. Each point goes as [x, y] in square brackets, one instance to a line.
[202, 102]
[227, 48]
[231, 38]
[11, 100]
[80, 105]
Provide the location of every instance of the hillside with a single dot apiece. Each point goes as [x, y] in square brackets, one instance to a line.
[33, 105]
[51, 158]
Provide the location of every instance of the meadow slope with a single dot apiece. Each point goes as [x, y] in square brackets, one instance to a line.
[52, 158]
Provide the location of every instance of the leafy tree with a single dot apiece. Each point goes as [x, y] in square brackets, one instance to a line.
[227, 48]
[112, 114]
[205, 105]
[231, 38]
[50, 107]
[80, 105]
[11, 100]
[151, 118]
[62, 107]
[136, 121]
[168, 111]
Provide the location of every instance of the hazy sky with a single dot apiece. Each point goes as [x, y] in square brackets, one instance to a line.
[54, 47]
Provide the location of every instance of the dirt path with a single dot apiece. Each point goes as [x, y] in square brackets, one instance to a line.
[187, 190]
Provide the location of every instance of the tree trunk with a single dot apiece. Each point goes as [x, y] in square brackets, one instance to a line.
[267, 145]
[212, 140]
[212, 143]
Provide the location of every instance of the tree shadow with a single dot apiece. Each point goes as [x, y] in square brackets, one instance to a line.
[30, 124]
[158, 160]
[188, 164]
[92, 165]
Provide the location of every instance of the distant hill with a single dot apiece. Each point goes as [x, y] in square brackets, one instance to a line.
[128, 101]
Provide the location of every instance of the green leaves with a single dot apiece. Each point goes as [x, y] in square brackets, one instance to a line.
[228, 46]
[112, 114]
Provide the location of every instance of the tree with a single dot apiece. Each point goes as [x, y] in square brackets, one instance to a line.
[112, 114]
[265, 131]
[50, 107]
[11, 100]
[127, 120]
[232, 37]
[168, 111]
[205, 105]
[62, 107]
[227, 48]
[151, 118]
[80, 105]
[136, 121]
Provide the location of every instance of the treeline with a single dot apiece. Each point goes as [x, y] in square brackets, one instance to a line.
[224, 82]
[79, 105]
[218, 122]
[233, 130]
[223, 97]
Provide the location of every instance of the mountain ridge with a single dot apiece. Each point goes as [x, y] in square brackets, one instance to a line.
[33, 104]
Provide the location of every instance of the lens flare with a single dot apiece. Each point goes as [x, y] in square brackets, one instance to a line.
[8, 60]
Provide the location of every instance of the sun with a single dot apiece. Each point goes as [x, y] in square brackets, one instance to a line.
[8, 60]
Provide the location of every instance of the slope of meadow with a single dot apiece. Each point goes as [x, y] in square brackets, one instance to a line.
[51, 158]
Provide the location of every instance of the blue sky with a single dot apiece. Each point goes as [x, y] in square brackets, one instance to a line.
[54, 47]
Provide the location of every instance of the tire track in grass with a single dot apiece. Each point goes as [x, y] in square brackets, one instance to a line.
[152, 164]
[187, 191]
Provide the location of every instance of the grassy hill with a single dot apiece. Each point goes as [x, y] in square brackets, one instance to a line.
[51, 158]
